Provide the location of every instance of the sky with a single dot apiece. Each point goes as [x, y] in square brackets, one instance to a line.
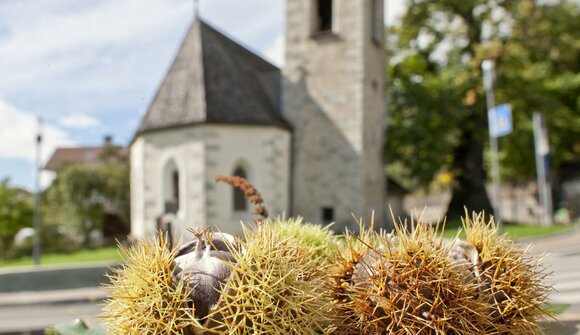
[90, 68]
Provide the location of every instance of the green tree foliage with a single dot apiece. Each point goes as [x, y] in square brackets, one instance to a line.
[16, 212]
[81, 195]
[438, 119]
[539, 71]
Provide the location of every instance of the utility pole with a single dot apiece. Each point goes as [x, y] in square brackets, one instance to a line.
[488, 67]
[37, 200]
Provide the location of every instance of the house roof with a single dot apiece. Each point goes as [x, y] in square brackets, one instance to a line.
[213, 79]
[80, 155]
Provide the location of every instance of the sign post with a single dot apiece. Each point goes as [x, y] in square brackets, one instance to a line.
[500, 124]
[542, 147]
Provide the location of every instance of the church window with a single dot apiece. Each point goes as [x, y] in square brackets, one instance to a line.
[377, 23]
[175, 182]
[171, 187]
[323, 16]
[327, 215]
[240, 202]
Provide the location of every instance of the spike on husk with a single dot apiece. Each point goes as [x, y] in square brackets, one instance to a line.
[352, 249]
[277, 287]
[143, 299]
[405, 283]
[513, 278]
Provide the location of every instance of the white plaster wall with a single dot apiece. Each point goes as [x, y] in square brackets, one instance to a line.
[149, 154]
[201, 152]
[137, 185]
[264, 152]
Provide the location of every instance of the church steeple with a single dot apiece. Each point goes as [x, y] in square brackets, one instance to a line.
[334, 99]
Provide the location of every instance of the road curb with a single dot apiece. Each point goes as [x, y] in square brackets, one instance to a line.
[87, 294]
[54, 278]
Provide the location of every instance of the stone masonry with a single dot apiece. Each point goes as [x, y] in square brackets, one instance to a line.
[333, 96]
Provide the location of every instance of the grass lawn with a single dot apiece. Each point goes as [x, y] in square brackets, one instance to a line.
[516, 231]
[105, 254]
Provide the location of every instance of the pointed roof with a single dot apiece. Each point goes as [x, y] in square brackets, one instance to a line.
[215, 80]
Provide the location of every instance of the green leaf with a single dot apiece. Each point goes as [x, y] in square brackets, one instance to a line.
[77, 327]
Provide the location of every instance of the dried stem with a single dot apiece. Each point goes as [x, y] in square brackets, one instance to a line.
[250, 193]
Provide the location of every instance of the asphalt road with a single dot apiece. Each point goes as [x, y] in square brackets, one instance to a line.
[27, 319]
[563, 260]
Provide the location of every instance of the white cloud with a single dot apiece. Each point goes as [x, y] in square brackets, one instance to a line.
[109, 55]
[83, 51]
[275, 52]
[18, 131]
[79, 121]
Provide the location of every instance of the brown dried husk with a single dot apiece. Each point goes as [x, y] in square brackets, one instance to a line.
[405, 284]
[512, 277]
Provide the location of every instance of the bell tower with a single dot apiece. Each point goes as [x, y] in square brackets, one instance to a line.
[333, 95]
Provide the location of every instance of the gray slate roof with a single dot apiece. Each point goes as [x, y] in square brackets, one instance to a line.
[215, 80]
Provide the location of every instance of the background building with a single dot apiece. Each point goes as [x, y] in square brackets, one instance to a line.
[309, 136]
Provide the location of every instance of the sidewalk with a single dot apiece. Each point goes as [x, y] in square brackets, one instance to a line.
[32, 312]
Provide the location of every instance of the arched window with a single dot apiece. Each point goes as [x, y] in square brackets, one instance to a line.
[171, 191]
[240, 202]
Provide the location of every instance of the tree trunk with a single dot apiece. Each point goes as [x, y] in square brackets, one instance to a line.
[468, 190]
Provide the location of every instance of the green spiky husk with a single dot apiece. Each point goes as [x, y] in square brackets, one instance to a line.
[277, 287]
[513, 277]
[405, 285]
[142, 298]
[321, 240]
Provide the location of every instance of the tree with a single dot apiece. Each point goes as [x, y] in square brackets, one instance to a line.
[438, 118]
[80, 196]
[16, 212]
[539, 71]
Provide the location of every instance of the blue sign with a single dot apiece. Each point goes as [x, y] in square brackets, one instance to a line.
[500, 120]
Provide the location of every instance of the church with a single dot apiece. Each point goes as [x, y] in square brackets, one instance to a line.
[309, 136]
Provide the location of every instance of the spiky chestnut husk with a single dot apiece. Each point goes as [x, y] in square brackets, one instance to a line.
[513, 278]
[408, 285]
[352, 249]
[143, 298]
[277, 287]
[321, 240]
